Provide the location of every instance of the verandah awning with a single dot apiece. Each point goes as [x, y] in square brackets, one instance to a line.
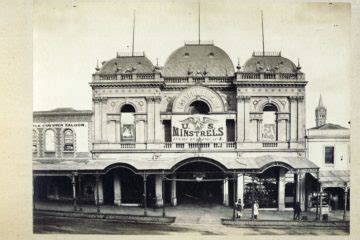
[256, 164]
[334, 178]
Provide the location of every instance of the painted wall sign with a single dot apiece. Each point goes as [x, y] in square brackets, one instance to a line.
[198, 128]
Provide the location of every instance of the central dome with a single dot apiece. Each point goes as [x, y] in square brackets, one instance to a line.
[198, 60]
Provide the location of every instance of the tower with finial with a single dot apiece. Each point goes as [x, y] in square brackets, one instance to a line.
[320, 113]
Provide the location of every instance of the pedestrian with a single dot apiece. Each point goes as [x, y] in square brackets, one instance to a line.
[256, 210]
[239, 208]
[297, 211]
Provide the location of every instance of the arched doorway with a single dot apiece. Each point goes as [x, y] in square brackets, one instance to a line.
[122, 186]
[273, 188]
[201, 182]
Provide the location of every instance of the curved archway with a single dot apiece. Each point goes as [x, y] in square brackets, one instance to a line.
[122, 185]
[198, 93]
[201, 181]
[199, 159]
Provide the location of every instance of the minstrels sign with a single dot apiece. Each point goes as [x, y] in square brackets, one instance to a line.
[198, 128]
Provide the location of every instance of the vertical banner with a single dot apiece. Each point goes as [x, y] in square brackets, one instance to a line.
[198, 128]
[127, 127]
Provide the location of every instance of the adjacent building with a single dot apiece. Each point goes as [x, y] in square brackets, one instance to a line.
[329, 148]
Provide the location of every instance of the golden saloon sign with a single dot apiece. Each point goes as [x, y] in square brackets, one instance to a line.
[198, 128]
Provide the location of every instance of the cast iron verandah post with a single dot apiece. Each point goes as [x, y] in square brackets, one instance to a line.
[163, 193]
[97, 180]
[252, 196]
[234, 196]
[145, 199]
[73, 181]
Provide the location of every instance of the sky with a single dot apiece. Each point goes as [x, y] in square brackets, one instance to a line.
[70, 36]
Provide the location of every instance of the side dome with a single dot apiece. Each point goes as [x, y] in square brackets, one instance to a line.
[127, 64]
[198, 60]
[271, 63]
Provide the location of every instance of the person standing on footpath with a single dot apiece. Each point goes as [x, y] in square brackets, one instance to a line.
[297, 211]
[256, 210]
[239, 208]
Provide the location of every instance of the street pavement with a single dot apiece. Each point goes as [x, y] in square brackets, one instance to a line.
[56, 225]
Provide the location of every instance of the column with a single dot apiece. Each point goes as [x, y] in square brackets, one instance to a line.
[247, 119]
[112, 131]
[282, 130]
[226, 192]
[240, 127]
[297, 198]
[240, 187]
[302, 118]
[302, 190]
[281, 189]
[117, 131]
[173, 192]
[73, 182]
[145, 195]
[80, 194]
[99, 196]
[150, 119]
[97, 118]
[140, 130]
[104, 119]
[293, 118]
[345, 202]
[158, 190]
[117, 190]
[253, 130]
[158, 126]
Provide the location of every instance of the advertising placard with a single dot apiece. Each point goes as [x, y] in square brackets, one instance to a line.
[198, 128]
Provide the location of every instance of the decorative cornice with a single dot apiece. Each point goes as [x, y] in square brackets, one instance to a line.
[100, 99]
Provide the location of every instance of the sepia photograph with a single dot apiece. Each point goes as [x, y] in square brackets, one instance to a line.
[191, 117]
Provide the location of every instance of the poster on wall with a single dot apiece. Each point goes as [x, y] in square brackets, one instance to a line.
[198, 128]
[268, 133]
[128, 132]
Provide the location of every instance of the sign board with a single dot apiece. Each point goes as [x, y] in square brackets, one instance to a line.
[198, 128]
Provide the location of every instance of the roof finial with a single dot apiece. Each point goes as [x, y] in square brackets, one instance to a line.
[133, 36]
[262, 30]
[117, 54]
[97, 68]
[238, 67]
[199, 21]
[157, 62]
[298, 66]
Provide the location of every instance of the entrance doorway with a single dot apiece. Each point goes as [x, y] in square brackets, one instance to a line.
[200, 183]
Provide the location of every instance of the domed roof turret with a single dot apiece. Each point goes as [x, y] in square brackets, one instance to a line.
[127, 63]
[198, 60]
[269, 62]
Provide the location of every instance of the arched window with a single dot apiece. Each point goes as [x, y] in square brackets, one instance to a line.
[68, 140]
[50, 140]
[127, 130]
[127, 108]
[199, 107]
[34, 139]
[269, 127]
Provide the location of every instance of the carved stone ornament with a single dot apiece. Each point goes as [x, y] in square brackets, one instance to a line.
[189, 95]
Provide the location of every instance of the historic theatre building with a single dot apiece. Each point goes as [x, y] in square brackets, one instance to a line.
[197, 129]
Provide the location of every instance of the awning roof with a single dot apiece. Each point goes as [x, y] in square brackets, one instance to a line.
[334, 178]
[258, 164]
